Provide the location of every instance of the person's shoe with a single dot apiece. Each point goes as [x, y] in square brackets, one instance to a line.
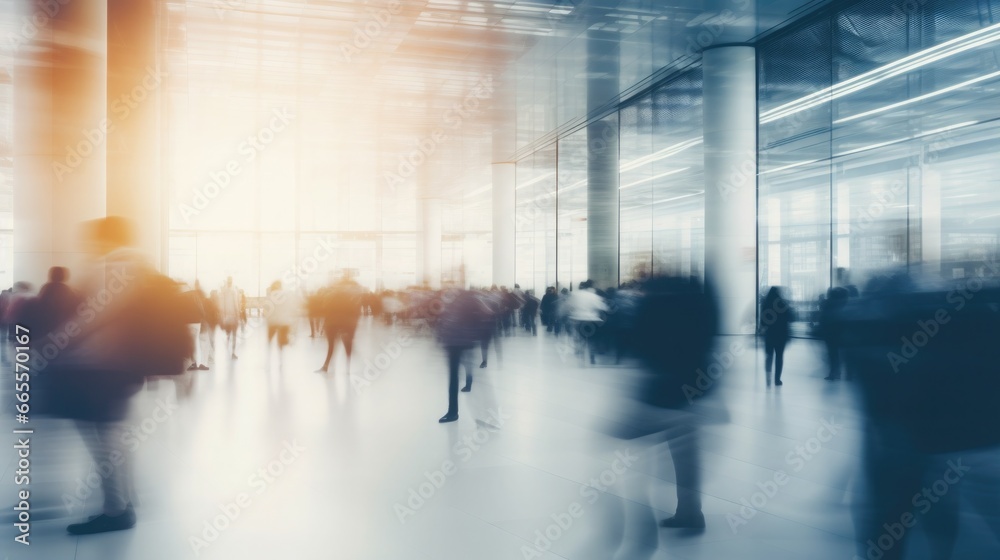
[482, 365]
[235, 357]
[467, 388]
[778, 383]
[321, 370]
[830, 378]
[104, 523]
[192, 367]
[448, 418]
[694, 521]
[203, 367]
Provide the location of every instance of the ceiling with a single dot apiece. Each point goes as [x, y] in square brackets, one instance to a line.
[387, 74]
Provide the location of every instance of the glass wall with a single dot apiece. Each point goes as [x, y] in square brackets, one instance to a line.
[878, 143]
[661, 193]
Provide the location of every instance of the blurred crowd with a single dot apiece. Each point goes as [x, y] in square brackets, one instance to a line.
[921, 352]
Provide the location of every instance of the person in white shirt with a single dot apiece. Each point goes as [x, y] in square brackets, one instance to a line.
[586, 309]
[229, 312]
[281, 307]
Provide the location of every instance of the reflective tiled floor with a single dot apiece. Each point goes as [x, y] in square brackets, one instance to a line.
[317, 466]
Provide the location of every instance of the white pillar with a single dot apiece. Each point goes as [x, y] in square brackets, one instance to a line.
[504, 181]
[133, 108]
[603, 87]
[730, 134]
[430, 242]
[503, 223]
[60, 81]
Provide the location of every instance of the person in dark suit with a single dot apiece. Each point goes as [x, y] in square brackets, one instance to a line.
[776, 316]
[464, 318]
[341, 310]
[675, 325]
[830, 311]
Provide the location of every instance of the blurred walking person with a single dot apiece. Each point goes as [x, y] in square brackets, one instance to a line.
[776, 316]
[107, 361]
[281, 316]
[675, 325]
[585, 309]
[457, 329]
[341, 310]
[229, 314]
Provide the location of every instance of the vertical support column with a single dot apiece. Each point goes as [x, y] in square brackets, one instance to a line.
[504, 208]
[730, 134]
[134, 85]
[430, 213]
[504, 182]
[603, 67]
[930, 221]
[429, 240]
[59, 134]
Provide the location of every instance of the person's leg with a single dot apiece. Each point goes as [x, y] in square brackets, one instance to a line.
[348, 339]
[779, 361]
[467, 362]
[231, 340]
[832, 358]
[454, 360]
[685, 454]
[484, 346]
[331, 339]
[113, 465]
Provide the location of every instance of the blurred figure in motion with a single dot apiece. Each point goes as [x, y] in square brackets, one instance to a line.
[561, 316]
[314, 309]
[229, 314]
[830, 328]
[776, 316]
[139, 329]
[585, 308]
[54, 305]
[209, 326]
[341, 310]
[195, 313]
[280, 317]
[926, 361]
[548, 308]
[491, 333]
[464, 318]
[621, 323]
[675, 324]
[17, 297]
[529, 312]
